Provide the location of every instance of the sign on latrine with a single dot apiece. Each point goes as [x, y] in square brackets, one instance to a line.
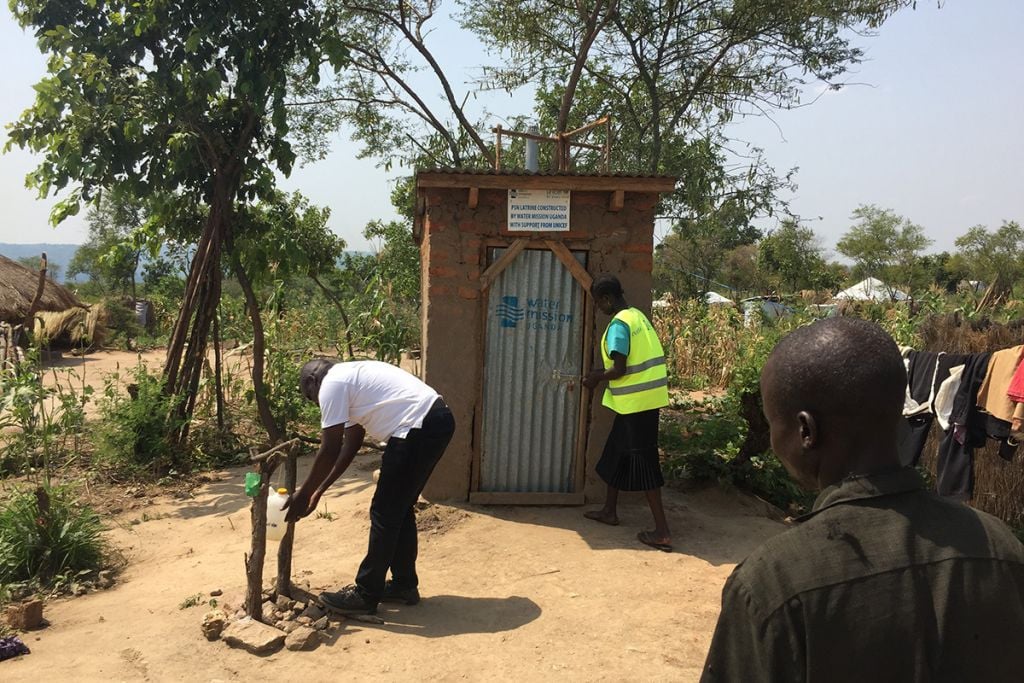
[538, 210]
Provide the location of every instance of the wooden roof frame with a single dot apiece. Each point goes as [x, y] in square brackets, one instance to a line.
[528, 181]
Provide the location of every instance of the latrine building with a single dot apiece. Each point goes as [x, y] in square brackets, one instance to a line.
[509, 328]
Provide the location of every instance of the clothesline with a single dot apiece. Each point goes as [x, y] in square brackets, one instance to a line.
[974, 397]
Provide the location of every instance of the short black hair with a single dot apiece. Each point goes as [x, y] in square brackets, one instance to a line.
[839, 367]
[606, 284]
[314, 371]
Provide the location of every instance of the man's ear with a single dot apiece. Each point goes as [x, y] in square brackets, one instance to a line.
[808, 430]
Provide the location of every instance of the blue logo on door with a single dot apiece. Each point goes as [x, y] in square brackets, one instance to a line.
[509, 311]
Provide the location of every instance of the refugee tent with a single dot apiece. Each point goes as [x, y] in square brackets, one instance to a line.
[871, 289]
[714, 298]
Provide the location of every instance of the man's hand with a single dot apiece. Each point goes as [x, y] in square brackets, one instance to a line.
[299, 505]
[593, 378]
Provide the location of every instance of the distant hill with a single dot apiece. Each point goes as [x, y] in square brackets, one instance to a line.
[59, 254]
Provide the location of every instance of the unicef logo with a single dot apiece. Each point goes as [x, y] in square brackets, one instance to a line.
[509, 311]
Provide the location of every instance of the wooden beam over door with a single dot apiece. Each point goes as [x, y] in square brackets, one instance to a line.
[494, 270]
[579, 273]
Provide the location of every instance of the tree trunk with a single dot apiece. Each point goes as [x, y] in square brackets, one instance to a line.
[274, 431]
[218, 375]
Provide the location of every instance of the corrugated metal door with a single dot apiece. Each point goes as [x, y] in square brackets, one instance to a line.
[532, 368]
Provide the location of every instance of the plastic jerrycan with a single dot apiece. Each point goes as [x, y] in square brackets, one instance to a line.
[276, 525]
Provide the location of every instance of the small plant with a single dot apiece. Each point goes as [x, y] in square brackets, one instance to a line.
[45, 534]
[132, 434]
[329, 516]
[191, 601]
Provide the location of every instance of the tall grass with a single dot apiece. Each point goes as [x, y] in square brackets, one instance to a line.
[45, 535]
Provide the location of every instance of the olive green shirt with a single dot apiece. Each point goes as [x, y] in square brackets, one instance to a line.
[882, 581]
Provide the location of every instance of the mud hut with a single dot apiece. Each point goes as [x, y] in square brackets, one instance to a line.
[18, 286]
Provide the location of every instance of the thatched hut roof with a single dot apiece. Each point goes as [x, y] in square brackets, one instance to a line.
[18, 287]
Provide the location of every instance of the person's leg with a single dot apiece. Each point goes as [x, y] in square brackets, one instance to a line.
[392, 500]
[661, 533]
[608, 514]
[426, 447]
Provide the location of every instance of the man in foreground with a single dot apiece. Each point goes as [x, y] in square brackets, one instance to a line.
[882, 580]
[356, 398]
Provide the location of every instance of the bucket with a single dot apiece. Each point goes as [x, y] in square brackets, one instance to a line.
[276, 526]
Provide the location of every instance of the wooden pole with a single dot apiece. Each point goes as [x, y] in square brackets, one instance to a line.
[284, 549]
[29, 325]
[267, 462]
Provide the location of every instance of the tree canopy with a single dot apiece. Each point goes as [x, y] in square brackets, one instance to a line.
[885, 245]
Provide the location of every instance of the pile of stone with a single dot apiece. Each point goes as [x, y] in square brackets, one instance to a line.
[295, 624]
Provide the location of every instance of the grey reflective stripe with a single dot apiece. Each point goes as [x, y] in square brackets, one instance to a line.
[646, 365]
[637, 388]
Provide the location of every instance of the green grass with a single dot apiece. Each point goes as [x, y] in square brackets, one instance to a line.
[45, 536]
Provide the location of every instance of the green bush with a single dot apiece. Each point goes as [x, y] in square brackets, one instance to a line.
[46, 537]
[704, 445]
[132, 434]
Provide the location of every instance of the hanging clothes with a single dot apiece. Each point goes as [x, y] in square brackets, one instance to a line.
[967, 431]
[1016, 389]
[993, 395]
[933, 380]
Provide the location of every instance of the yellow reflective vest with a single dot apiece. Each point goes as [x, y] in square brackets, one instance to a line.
[645, 384]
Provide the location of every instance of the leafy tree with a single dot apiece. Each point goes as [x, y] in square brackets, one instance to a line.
[742, 270]
[175, 99]
[885, 245]
[791, 255]
[943, 270]
[273, 242]
[995, 257]
[111, 254]
[671, 75]
[689, 260]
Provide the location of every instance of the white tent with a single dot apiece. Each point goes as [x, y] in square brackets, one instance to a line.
[713, 298]
[872, 289]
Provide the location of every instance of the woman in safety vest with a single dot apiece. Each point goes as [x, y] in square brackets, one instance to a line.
[634, 367]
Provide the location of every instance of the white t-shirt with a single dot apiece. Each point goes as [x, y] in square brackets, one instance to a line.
[385, 400]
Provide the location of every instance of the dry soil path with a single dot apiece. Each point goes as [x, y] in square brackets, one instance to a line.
[509, 593]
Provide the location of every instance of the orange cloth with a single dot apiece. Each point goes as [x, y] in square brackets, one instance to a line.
[992, 397]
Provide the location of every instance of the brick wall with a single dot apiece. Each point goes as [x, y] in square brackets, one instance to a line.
[453, 240]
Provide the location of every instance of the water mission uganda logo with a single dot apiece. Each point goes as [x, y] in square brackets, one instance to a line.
[509, 311]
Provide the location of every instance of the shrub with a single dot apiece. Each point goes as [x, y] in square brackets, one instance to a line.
[45, 536]
[132, 434]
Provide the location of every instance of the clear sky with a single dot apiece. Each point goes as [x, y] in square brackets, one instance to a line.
[935, 132]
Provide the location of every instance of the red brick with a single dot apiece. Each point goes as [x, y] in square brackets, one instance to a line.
[469, 293]
[642, 263]
[436, 290]
[643, 248]
[442, 271]
[469, 226]
[471, 258]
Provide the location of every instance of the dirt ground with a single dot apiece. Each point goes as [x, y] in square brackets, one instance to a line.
[510, 593]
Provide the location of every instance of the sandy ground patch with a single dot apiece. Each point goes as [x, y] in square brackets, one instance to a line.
[510, 593]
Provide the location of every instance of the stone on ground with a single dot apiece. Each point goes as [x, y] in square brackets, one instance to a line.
[301, 638]
[25, 615]
[313, 611]
[214, 622]
[253, 636]
[320, 624]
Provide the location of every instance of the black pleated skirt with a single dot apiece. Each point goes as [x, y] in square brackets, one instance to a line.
[630, 458]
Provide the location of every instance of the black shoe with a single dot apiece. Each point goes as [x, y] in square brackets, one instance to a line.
[349, 600]
[393, 593]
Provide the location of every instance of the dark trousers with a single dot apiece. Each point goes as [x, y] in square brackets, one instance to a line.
[404, 471]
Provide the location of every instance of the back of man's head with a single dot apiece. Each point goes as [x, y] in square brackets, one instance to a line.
[842, 370]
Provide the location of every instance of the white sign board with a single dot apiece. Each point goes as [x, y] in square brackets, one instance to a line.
[538, 210]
